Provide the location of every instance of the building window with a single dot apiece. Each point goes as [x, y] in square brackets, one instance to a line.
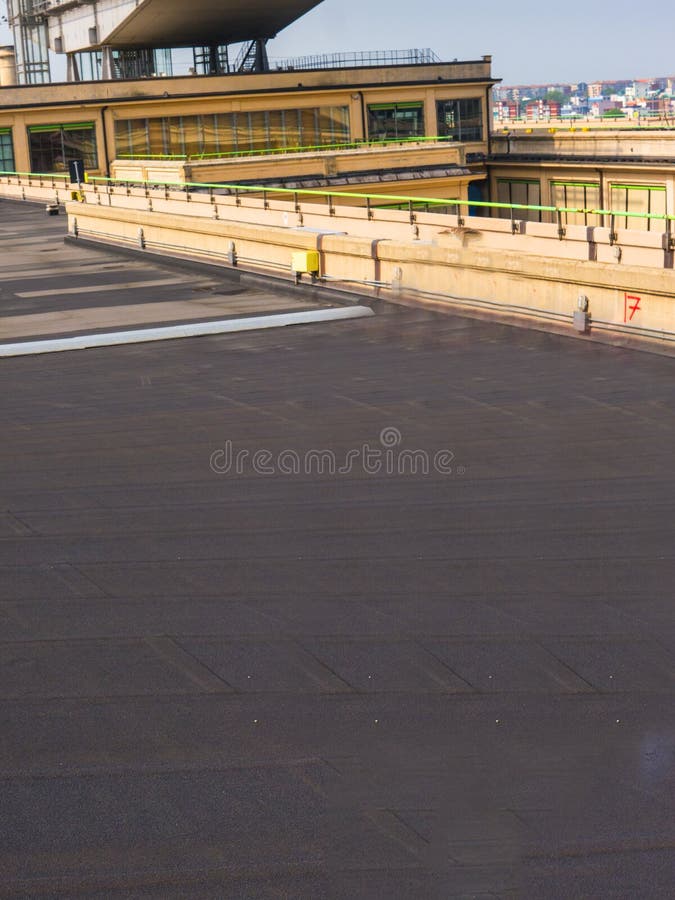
[460, 120]
[392, 121]
[6, 150]
[225, 133]
[522, 191]
[577, 196]
[53, 146]
[638, 198]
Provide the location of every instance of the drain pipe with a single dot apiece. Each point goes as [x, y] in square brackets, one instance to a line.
[105, 142]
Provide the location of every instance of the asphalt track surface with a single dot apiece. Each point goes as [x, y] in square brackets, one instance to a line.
[366, 684]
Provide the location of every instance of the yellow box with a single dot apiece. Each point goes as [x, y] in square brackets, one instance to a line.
[305, 261]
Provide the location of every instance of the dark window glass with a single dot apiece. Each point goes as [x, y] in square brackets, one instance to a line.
[523, 192]
[232, 132]
[53, 146]
[6, 151]
[391, 121]
[460, 120]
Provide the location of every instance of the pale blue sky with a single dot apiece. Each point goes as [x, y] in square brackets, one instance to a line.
[579, 41]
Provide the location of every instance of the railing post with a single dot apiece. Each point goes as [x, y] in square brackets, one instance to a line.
[561, 227]
[670, 238]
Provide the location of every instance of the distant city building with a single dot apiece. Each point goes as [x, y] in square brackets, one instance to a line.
[542, 110]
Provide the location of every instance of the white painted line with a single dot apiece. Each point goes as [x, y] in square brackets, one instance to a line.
[96, 288]
[10, 274]
[195, 329]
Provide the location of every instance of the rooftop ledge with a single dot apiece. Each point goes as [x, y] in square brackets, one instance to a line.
[468, 71]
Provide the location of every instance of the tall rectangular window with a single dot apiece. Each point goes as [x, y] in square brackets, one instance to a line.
[577, 196]
[226, 133]
[389, 121]
[6, 150]
[53, 146]
[460, 120]
[132, 137]
[193, 135]
[334, 124]
[523, 191]
[639, 198]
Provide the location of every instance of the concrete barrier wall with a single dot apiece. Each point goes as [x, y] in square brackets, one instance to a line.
[623, 299]
[597, 144]
[579, 242]
[34, 189]
[582, 243]
[258, 168]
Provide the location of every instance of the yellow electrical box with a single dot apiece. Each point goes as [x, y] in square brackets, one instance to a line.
[77, 195]
[305, 261]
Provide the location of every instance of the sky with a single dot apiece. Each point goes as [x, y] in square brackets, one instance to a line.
[578, 41]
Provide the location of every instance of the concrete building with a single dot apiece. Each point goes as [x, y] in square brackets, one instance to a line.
[222, 116]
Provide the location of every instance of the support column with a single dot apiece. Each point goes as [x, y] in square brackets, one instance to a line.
[73, 71]
[107, 64]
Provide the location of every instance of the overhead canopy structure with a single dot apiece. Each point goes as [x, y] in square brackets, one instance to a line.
[128, 34]
[176, 23]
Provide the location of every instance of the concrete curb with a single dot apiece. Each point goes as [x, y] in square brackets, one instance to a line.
[170, 332]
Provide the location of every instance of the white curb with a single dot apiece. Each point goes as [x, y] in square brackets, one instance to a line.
[195, 329]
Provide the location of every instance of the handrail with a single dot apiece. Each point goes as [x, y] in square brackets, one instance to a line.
[268, 191]
[411, 202]
[273, 151]
[51, 175]
[663, 123]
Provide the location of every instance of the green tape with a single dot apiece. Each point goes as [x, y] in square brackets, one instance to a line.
[395, 106]
[586, 184]
[637, 187]
[54, 129]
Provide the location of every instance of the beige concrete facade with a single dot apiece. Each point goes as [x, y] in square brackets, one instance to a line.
[103, 104]
[325, 165]
[620, 170]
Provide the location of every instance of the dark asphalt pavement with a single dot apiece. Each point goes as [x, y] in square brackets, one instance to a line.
[372, 683]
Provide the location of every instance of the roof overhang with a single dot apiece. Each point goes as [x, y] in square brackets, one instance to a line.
[175, 23]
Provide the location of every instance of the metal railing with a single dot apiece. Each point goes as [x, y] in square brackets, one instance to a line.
[658, 122]
[371, 202]
[51, 177]
[352, 59]
[276, 151]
